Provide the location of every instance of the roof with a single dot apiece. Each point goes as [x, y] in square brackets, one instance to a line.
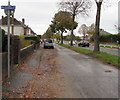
[3, 21]
[104, 32]
[32, 31]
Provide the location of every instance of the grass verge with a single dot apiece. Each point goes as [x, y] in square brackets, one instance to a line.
[109, 58]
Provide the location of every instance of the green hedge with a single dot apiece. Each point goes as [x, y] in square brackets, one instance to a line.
[28, 40]
[34, 38]
[24, 43]
[110, 38]
[113, 38]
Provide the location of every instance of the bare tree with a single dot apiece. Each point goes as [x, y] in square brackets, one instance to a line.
[75, 7]
[91, 31]
[83, 29]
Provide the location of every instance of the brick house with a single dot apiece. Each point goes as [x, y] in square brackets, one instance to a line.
[20, 28]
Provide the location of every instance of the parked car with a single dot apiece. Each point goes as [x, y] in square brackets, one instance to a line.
[84, 43]
[48, 43]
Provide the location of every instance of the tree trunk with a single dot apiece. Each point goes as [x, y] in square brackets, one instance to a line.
[71, 42]
[62, 38]
[84, 36]
[97, 24]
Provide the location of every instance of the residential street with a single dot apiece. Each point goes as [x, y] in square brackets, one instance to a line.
[61, 73]
[56, 49]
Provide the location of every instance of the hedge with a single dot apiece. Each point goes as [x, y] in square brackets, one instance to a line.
[34, 38]
[111, 38]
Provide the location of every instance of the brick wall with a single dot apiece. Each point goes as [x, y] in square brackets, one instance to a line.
[26, 52]
[22, 55]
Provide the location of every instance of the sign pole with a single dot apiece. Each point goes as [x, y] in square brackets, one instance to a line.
[9, 10]
[8, 41]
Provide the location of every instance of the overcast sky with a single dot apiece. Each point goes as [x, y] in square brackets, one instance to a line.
[39, 13]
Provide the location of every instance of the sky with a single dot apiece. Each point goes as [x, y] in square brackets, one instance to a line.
[39, 13]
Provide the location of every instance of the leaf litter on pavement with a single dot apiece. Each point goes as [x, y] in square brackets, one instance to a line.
[47, 79]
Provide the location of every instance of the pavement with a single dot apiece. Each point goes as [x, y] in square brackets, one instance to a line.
[20, 76]
[61, 73]
[35, 77]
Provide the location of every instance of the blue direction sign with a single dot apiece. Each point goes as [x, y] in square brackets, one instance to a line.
[8, 7]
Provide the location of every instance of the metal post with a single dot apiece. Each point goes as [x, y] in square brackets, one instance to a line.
[8, 41]
[12, 42]
[9, 10]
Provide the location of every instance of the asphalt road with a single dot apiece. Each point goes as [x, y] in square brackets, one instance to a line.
[85, 77]
[61, 73]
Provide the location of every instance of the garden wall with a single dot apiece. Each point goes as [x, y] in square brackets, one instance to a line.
[22, 55]
[26, 52]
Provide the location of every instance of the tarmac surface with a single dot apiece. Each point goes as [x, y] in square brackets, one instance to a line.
[87, 77]
[61, 73]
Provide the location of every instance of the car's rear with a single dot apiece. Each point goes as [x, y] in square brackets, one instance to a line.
[84, 43]
[48, 43]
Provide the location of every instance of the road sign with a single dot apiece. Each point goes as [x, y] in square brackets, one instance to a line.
[8, 7]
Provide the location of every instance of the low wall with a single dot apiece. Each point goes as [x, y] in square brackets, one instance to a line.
[23, 54]
[26, 52]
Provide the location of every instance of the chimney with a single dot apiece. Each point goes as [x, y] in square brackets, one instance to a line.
[23, 21]
[2, 17]
[2, 20]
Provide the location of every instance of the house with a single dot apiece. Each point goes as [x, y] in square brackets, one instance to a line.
[102, 31]
[31, 32]
[18, 28]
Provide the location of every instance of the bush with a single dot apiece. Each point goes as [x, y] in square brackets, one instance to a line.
[24, 43]
[113, 38]
[2, 35]
[34, 38]
[28, 40]
[21, 36]
[4, 41]
[110, 38]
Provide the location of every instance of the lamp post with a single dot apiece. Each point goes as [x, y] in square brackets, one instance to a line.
[97, 25]
[9, 11]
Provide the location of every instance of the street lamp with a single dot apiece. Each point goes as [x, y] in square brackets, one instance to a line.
[97, 25]
[98, 1]
[9, 11]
